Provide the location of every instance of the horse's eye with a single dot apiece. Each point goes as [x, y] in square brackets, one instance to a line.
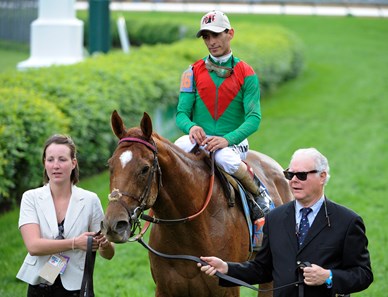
[145, 170]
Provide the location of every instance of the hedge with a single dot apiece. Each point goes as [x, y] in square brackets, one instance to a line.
[25, 122]
[83, 96]
[142, 32]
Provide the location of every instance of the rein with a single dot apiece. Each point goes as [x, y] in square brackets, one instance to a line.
[87, 289]
[152, 219]
[218, 274]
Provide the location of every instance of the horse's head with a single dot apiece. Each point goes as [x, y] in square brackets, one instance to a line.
[134, 178]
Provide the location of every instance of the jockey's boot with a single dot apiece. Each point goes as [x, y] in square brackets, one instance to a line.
[260, 204]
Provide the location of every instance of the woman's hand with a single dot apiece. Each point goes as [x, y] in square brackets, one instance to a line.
[102, 241]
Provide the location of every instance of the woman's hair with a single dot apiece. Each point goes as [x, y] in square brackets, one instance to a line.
[66, 140]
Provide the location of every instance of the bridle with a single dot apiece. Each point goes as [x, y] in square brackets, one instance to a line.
[116, 194]
[138, 212]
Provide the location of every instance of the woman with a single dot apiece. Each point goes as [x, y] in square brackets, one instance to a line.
[55, 222]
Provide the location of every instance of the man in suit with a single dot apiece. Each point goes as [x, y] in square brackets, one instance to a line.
[331, 237]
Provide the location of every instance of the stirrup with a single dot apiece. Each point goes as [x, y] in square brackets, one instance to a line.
[263, 199]
[260, 209]
[256, 211]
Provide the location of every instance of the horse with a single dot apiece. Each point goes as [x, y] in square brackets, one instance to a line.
[148, 172]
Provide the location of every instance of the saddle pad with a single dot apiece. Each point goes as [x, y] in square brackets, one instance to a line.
[253, 230]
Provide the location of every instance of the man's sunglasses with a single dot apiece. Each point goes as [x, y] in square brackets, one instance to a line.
[300, 175]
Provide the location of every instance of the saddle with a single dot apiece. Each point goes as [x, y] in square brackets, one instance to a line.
[232, 188]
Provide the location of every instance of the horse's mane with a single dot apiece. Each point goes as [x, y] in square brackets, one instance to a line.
[197, 155]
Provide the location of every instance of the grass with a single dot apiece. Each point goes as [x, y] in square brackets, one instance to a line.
[339, 105]
[11, 54]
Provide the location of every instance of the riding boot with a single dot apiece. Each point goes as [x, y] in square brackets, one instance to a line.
[260, 202]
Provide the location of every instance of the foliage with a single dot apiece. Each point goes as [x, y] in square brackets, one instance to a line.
[140, 31]
[26, 120]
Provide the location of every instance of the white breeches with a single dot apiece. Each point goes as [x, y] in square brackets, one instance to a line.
[228, 158]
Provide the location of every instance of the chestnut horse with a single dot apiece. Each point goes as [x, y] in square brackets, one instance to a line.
[148, 171]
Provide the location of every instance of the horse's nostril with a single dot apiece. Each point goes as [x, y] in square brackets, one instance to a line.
[121, 226]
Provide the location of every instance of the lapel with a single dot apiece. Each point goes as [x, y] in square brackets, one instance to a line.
[289, 225]
[318, 225]
[46, 204]
[75, 208]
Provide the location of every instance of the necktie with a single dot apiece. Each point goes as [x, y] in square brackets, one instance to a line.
[303, 225]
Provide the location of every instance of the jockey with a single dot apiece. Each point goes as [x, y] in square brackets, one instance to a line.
[219, 107]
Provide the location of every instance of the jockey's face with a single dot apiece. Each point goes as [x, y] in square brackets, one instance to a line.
[218, 44]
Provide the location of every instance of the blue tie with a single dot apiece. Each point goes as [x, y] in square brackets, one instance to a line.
[303, 225]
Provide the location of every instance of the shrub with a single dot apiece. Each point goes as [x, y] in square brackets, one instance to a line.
[142, 32]
[26, 121]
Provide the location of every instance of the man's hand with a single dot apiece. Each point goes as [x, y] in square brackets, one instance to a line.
[197, 135]
[215, 264]
[315, 275]
[214, 143]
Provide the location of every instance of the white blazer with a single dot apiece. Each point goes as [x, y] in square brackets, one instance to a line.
[84, 214]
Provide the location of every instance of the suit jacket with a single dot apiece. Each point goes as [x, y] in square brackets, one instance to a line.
[341, 247]
[84, 214]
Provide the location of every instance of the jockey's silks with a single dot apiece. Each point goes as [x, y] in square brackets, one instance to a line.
[228, 107]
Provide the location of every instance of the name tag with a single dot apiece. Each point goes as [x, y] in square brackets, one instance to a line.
[55, 265]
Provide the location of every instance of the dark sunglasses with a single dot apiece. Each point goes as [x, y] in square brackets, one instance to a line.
[300, 175]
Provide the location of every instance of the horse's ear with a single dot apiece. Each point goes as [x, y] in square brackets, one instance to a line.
[118, 126]
[146, 125]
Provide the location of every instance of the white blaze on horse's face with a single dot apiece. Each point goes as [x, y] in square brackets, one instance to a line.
[125, 158]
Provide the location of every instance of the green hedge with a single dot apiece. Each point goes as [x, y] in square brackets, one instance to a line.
[25, 121]
[142, 32]
[80, 98]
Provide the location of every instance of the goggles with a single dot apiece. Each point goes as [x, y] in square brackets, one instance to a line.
[221, 71]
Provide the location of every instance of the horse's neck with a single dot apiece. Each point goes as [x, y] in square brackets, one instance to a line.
[180, 167]
[184, 177]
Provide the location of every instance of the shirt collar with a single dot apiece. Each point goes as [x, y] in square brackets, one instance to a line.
[315, 208]
[222, 59]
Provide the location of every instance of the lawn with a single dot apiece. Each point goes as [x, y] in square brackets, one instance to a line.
[11, 54]
[338, 105]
